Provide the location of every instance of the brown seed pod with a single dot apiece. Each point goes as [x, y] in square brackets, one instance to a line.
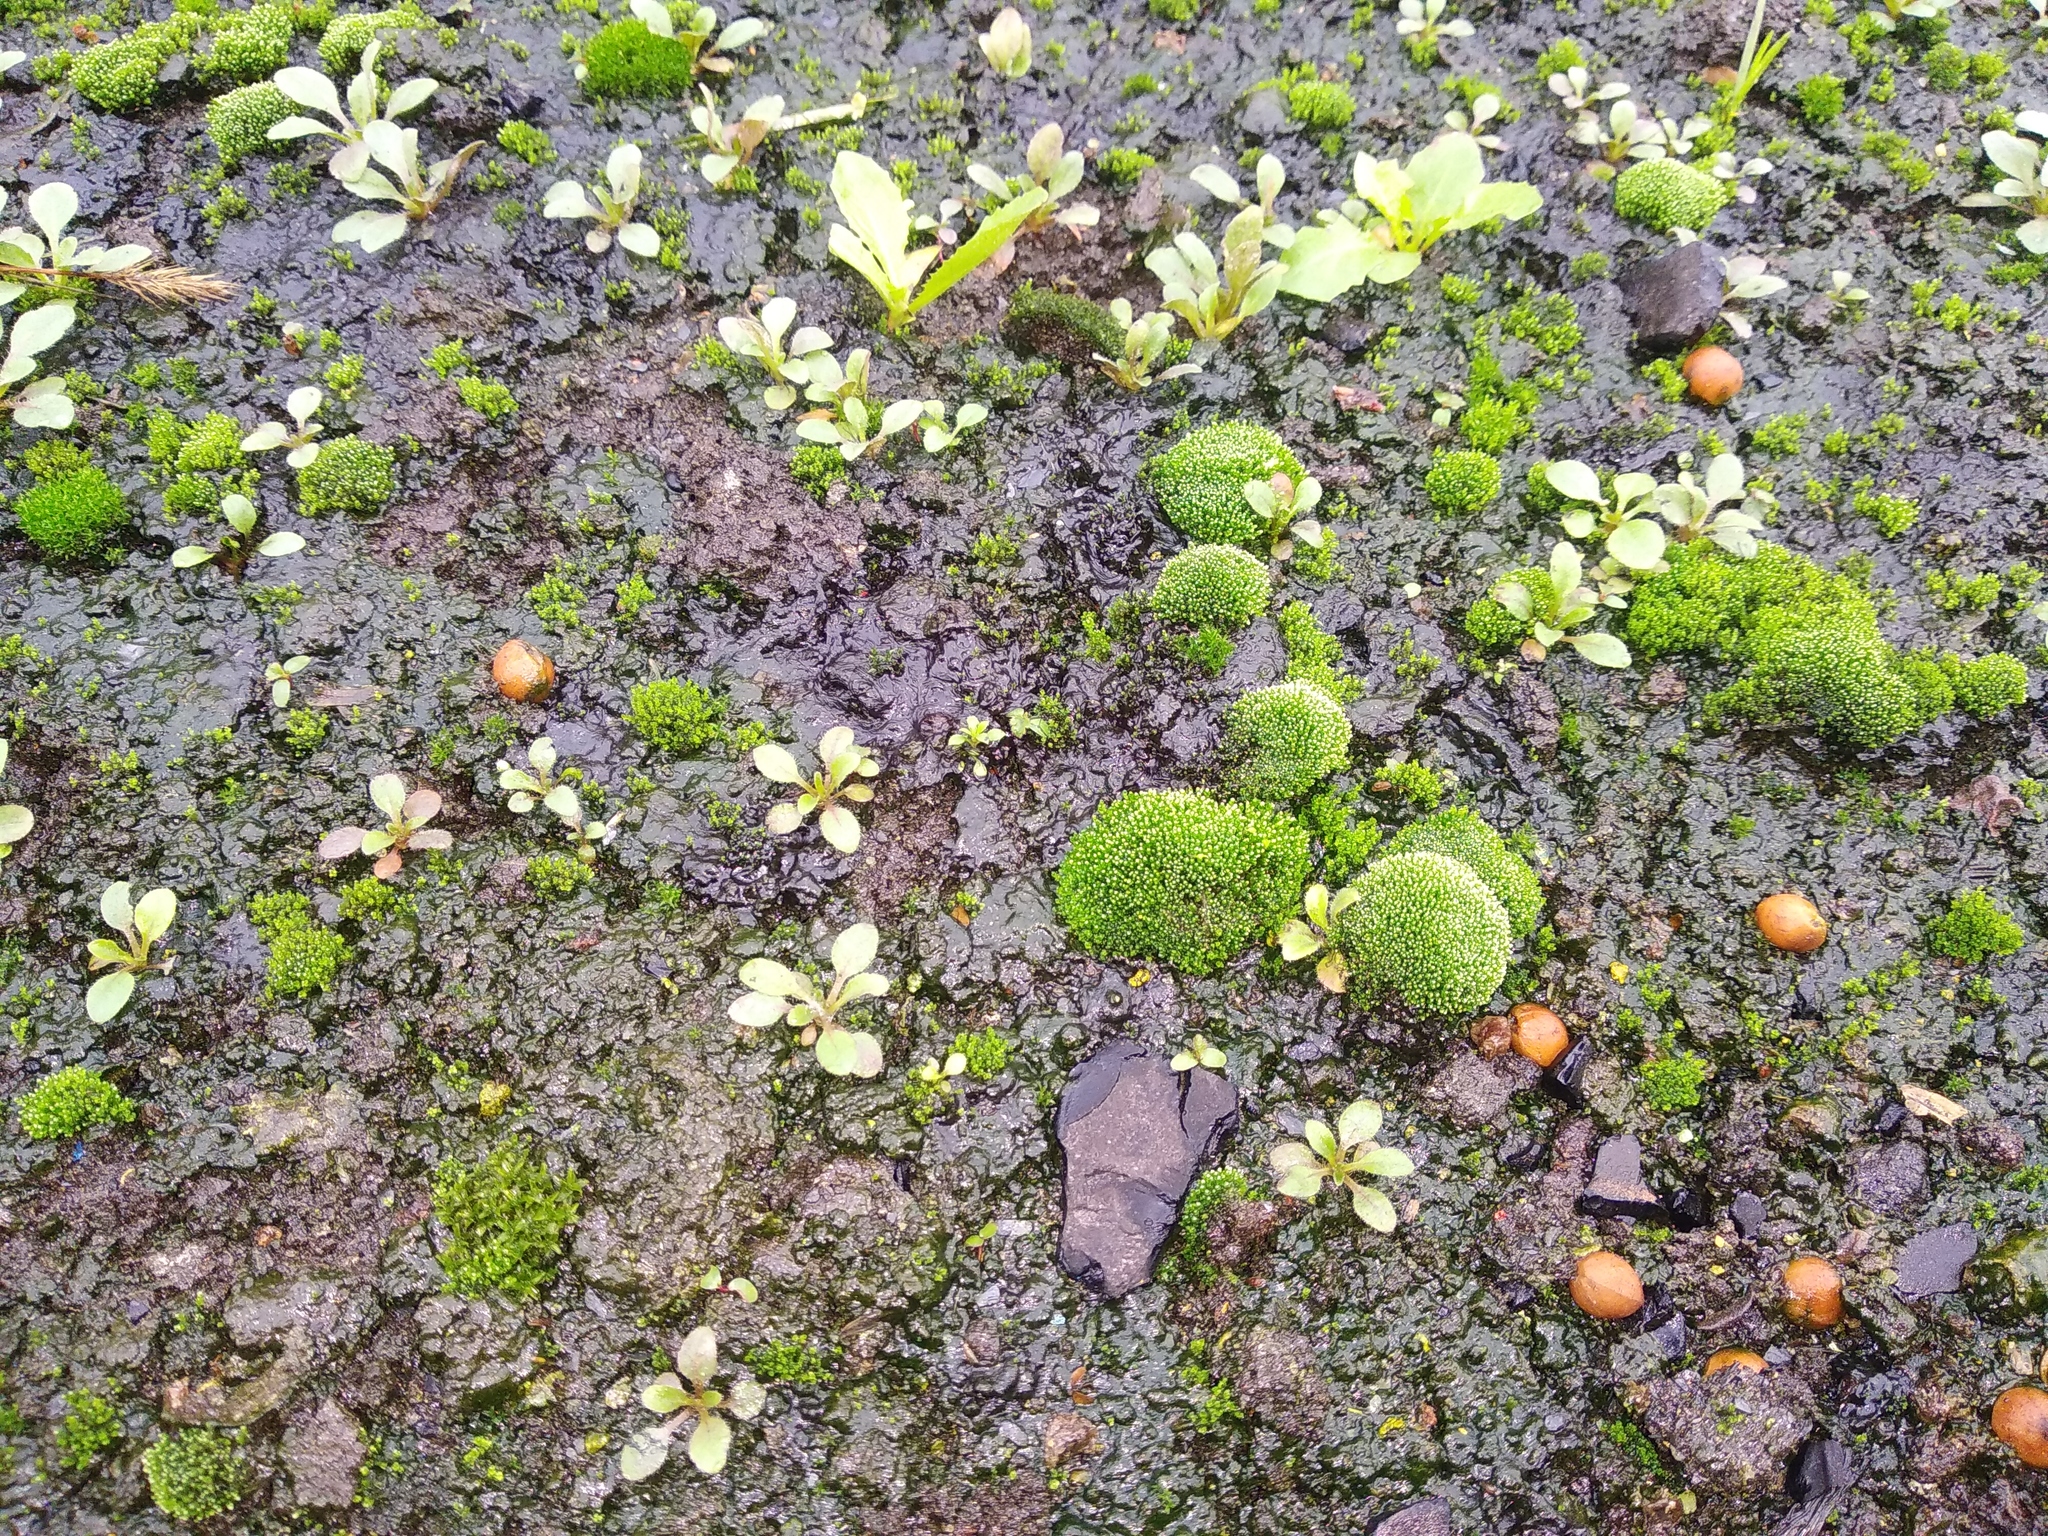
[1492, 1035]
[1735, 1359]
[1713, 373]
[1813, 1292]
[2020, 1419]
[1606, 1285]
[1539, 1033]
[522, 672]
[1792, 922]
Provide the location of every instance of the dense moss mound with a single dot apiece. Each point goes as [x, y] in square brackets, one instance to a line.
[1427, 927]
[1200, 480]
[1460, 835]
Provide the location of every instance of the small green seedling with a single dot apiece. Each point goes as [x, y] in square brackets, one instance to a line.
[843, 763]
[1575, 89]
[1628, 135]
[1007, 44]
[609, 207]
[775, 991]
[788, 364]
[279, 675]
[711, 1441]
[1553, 615]
[405, 829]
[975, 737]
[1341, 1158]
[1744, 277]
[1270, 177]
[938, 437]
[300, 405]
[1216, 300]
[1199, 1053]
[16, 821]
[240, 513]
[1625, 523]
[310, 89]
[875, 239]
[738, 1285]
[1145, 339]
[590, 834]
[1299, 939]
[1887, 14]
[1285, 507]
[1486, 108]
[42, 403]
[531, 785]
[855, 428]
[417, 192]
[1048, 164]
[937, 1077]
[27, 260]
[140, 925]
[2024, 186]
[1422, 23]
[1697, 511]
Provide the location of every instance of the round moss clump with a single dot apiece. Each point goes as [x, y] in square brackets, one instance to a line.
[71, 517]
[1200, 480]
[239, 122]
[1458, 834]
[1990, 685]
[1668, 194]
[1285, 740]
[626, 62]
[1463, 481]
[1321, 105]
[69, 1102]
[195, 1474]
[1488, 622]
[1178, 876]
[1215, 584]
[352, 474]
[1425, 926]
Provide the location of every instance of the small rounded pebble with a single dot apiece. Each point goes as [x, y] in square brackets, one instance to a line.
[1792, 922]
[523, 672]
[2020, 1419]
[1539, 1033]
[1735, 1359]
[1813, 1292]
[1493, 1035]
[1606, 1285]
[1713, 373]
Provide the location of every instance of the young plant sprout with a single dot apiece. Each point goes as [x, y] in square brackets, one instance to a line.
[855, 428]
[300, 437]
[875, 239]
[1628, 135]
[738, 1285]
[938, 1078]
[1625, 524]
[1269, 176]
[1050, 165]
[1744, 277]
[975, 737]
[531, 785]
[1704, 512]
[1678, 138]
[1199, 1053]
[1574, 87]
[417, 193]
[240, 513]
[1441, 190]
[1145, 339]
[1725, 167]
[843, 764]
[1486, 108]
[1007, 44]
[1422, 23]
[1299, 939]
[140, 925]
[1215, 301]
[732, 147]
[589, 834]
[708, 53]
[1285, 507]
[279, 675]
[1887, 14]
[2023, 187]
[1563, 604]
[405, 828]
[711, 1441]
[938, 437]
[788, 365]
[311, 89]
[1343, 1158]
[53, 258]
[774, 991]
[612, 208]
[43, 402]
[1841, 289]
[16, 821]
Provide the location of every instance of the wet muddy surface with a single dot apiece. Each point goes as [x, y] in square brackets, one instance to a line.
[258, 1248]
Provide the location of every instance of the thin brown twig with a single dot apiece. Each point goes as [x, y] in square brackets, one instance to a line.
[157, 285]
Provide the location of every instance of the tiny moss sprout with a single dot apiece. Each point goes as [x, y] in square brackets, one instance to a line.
[874, 240]
[240, 514]
[405, 828]
[762, 339]
[1198, 1052]
[196, 1474]
[1310, 934]
[1007, 44]
[1344, 1158]
[300, 437]
[2022, 187]
[279, 675]
[974, 738]
[610, 207]
[16, 821]
[1284, 739]
[710, 1441]
[842, 766]
[70, 1102]
[775, 991]
[1973, 929]
[140, 924]
[90, 1425]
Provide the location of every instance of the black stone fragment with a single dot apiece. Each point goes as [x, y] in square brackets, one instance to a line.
[1616, 1187]
[1932, 1263]
[1891, 1118]
[1566, 1077]
[1821, 1467]
[1748, 1215]
[1523, 1154]
[1674, 298]
[1688, 1209]
[1430, 1517]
